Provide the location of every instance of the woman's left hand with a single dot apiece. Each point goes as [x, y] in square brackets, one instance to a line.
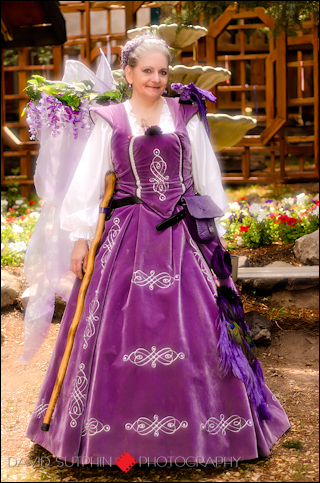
[223, 243]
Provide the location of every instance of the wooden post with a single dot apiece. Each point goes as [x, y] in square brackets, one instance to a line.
[25, 161]
[316, 97]
[82, 34]
[3, 116]
[88, 34]
[57, 61]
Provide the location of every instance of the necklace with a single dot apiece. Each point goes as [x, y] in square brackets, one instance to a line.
[144, 124]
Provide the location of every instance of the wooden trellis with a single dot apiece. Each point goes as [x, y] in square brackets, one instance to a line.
[259, 87]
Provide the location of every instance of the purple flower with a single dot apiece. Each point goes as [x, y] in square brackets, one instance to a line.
[269, 201]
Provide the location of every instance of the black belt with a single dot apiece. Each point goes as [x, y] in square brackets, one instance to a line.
[163, 225]
[130, 200]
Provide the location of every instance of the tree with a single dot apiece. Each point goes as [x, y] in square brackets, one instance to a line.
[288, 15]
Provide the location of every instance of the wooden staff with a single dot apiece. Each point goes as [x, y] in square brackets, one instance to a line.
[110, 184]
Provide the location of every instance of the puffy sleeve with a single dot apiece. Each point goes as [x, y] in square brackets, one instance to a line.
[205, 168]
[80, 207]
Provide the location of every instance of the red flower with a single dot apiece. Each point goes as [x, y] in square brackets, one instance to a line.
[27, 211]
[30, 235]
[244, 228]
[272, 216]
[11, 210]
[283, 218]
[32, 203]
[10, 219]
[22, 217]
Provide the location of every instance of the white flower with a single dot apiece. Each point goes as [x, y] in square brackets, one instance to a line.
[18, 202]
[234, 206]
[315, 212]
[18, 247]
[288, 201]
[34, 214]
[2, 246]
[4, 202]
[239, 241]
[261, 217]
[17, 229]
[302, 198]
[3, 220]
[254, 208]
[24, 205]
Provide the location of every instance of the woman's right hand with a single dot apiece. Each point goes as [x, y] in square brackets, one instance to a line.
[79, 258]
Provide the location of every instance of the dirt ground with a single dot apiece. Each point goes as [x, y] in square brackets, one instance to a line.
[290, 364]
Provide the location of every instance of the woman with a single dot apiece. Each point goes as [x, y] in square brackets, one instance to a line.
[162, 363]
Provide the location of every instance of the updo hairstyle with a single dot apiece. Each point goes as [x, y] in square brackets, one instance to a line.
[134, 49]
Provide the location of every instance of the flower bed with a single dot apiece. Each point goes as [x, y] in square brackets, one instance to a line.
[272, 221]
[254, 225]
[17, 225]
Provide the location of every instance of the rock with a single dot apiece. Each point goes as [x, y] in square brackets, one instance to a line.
[300, 299]
[306, 249]
[268, 284]
[59, 305]
[316, 198]
[260, 328]
[10, 289]
[243, 261]
[253, 198]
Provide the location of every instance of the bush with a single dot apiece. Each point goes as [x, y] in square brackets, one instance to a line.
[273, 221]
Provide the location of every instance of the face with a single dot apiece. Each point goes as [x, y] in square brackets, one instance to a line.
[149, 77]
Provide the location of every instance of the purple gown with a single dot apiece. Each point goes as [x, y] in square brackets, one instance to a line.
[145, 370]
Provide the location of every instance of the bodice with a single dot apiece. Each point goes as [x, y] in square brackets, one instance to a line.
[156, 168]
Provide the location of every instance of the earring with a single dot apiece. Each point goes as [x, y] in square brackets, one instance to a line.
[130, 86]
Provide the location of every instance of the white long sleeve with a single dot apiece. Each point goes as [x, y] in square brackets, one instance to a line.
[80, 207]
[205, 167]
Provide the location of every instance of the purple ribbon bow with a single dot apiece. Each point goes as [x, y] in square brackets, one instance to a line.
[192, 92]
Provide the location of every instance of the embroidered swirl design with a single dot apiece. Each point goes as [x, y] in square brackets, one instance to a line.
[158, 168]
[141, 357]
[91, 319]
[41, 409]
[93, 426]
[168, 425]
[110, 242]
[78, 396]
[162, 280]
[234, 424]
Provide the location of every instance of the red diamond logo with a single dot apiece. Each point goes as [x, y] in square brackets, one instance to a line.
[125, 462]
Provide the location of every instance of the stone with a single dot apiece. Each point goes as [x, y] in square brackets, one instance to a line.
[10, 289]
[260, 328]
[253, 198]
[268, 284]
[306, 249]
[300, 299]
[243, 261]
[59, 304]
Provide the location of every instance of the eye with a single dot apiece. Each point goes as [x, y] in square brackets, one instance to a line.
[163, 72]
[147, 71]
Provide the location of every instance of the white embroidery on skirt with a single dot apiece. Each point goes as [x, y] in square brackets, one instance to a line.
[93, 426]
[110, 242]
[168, 425]
[41, 409]
[158, 167]
[141, 357]
[78, 396]
[234, 424]
[162, 280]
[91, 319]
[202, 264]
